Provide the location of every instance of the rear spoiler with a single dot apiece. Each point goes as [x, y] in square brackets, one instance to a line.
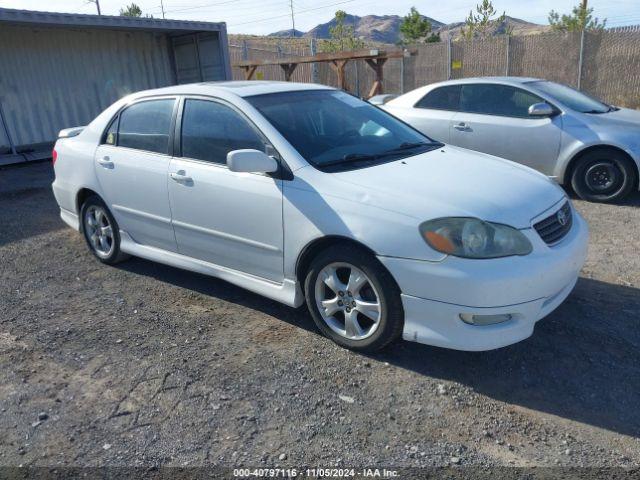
[70, 132]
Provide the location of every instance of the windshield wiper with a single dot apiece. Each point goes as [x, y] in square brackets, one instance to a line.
[412, 145]
[350, 158]
[360, 157]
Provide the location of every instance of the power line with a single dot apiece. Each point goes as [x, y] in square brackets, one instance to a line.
[286, 15]
[202, 6]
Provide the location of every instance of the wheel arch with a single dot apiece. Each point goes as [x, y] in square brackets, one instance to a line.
[82, 196]
[314, 247]
[571, 165]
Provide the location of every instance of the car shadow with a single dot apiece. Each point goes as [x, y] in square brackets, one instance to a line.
[632, 200]
[219, 289]
[582, 362]
[28, 206]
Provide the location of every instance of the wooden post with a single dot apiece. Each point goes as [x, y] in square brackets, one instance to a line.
[249, 71]
[338, 66]
[377, 65]
[288, 70]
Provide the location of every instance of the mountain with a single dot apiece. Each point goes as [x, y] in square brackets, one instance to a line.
[515, 25]
[374, 28]
[286, 33]
[386, 28]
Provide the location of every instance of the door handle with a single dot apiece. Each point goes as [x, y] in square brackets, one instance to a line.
[461, 126]
[105, 162]
[180, 177]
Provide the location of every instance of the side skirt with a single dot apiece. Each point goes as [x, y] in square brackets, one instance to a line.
[288, 292]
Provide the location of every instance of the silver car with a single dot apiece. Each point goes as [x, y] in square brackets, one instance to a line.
[550, 127]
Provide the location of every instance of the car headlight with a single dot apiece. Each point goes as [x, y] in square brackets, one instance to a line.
[474, 238]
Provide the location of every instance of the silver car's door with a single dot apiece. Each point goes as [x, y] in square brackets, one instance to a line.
[495, 119]
[227, 218]
[432, 114]
[131, 165]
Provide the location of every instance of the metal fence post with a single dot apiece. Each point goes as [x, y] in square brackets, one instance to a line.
[506, 70]
[449, 58]
[357, 78]
[245, 50]
[580, 58]
[402, 74]
[314, 66]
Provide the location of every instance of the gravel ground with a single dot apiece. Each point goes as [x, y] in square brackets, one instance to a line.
[147, 365]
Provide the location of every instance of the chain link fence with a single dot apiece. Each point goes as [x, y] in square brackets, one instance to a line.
[605, 64]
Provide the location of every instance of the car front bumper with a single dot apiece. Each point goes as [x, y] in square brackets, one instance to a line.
[435, 294]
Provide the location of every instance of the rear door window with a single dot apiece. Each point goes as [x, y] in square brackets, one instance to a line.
[146, 125]
[491, 99]
[442, 98]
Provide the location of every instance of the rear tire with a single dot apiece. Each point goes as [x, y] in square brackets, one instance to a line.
[344, 281]
[604, 175]
[100, 231]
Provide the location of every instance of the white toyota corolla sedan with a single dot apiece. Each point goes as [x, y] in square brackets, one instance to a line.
[305, 193]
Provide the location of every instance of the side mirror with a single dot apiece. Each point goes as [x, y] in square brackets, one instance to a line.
[541, 110]
[251, 161]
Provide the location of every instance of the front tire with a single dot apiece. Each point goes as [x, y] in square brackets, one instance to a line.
[101, 232]
[353, 299]
[604, 175]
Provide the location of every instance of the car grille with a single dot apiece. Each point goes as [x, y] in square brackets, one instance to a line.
[553, 228]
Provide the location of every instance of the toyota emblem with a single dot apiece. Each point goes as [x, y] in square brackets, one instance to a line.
[562, 218]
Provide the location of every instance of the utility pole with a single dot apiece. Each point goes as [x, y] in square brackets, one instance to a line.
[97, 2]
[162, 7]
[293, 20]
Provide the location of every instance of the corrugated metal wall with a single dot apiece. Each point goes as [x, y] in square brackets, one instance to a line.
[53, 78]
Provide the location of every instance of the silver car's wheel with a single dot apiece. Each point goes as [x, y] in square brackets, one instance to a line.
[604, 175]
[347, 301]
[99, 231]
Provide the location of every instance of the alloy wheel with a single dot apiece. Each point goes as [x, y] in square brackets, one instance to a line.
[347, 301]
[99, 231]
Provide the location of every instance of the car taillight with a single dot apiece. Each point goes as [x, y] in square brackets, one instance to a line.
[54, 156]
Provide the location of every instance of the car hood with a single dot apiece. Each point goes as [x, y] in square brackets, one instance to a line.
[625, 117]
[449, 181]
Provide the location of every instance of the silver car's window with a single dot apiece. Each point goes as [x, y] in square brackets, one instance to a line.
[573, 99]
[146, 125]
[442, 98]
[210, 130]
[494, 99]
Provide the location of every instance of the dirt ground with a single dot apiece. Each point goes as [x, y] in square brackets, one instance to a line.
[147, 365]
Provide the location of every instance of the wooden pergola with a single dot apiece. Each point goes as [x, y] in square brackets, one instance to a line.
[374, 58]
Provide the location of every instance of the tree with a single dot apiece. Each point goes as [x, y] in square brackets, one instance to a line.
[342, 36]
[480, 24]
[581, 18]
[415, 27]
[132, 10]
[433, 38]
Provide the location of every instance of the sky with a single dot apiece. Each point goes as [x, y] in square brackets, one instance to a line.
[261, 17]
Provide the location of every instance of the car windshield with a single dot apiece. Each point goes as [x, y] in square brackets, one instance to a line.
[570, 97]
[333, 130]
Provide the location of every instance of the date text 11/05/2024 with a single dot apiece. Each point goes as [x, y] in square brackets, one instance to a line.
[314, 472]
